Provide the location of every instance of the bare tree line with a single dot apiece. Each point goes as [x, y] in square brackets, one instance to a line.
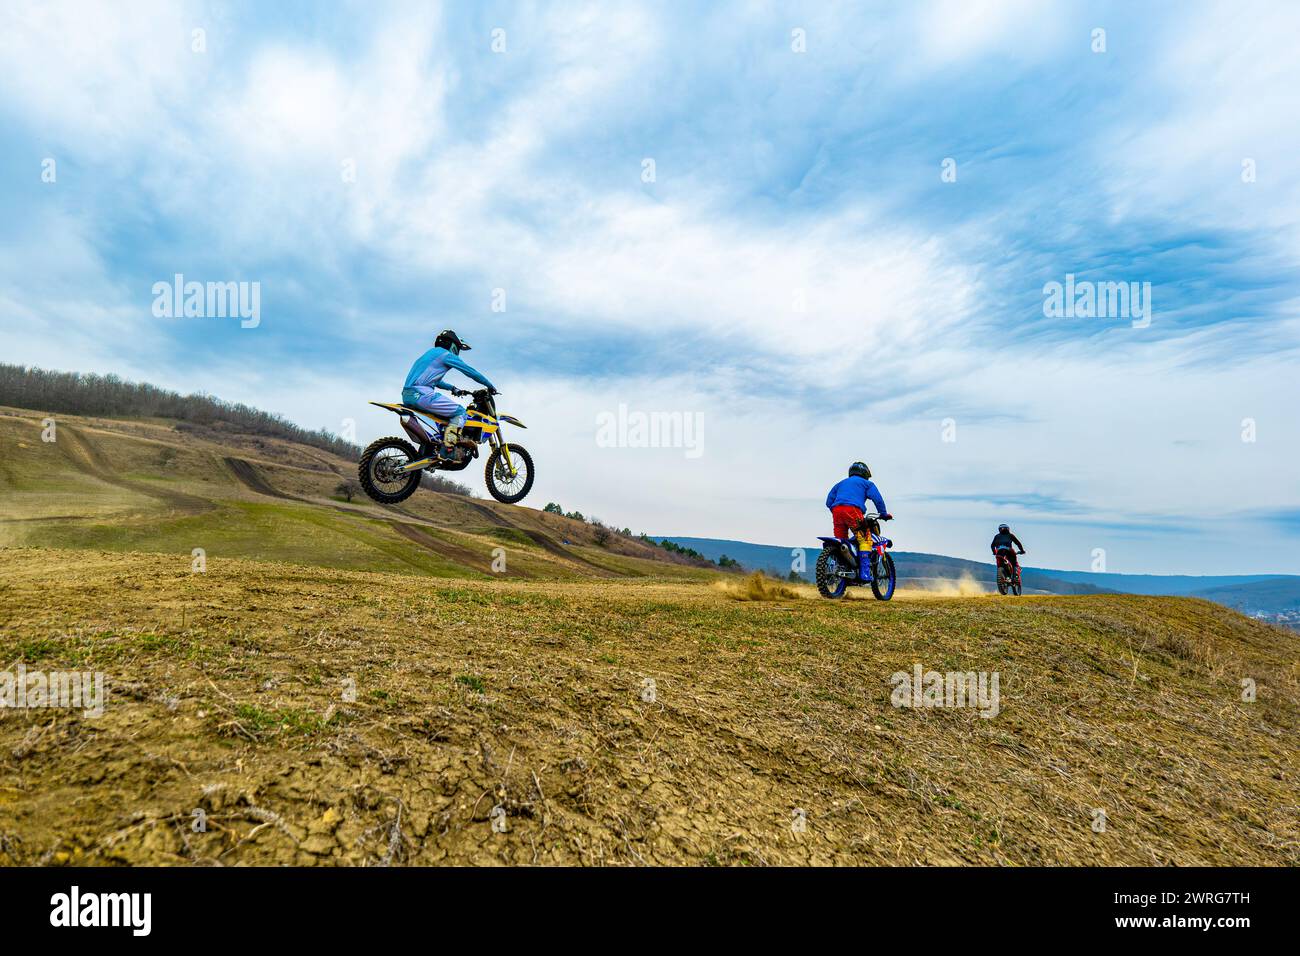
[81, 393]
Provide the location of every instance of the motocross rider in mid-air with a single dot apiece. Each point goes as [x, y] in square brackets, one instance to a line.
[426, 376]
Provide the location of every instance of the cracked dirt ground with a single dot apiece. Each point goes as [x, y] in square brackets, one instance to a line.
[264, 713]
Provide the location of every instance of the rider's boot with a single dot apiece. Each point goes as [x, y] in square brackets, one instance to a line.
[863, 540]
[450, 438]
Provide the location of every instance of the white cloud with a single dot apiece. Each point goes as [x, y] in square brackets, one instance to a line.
[952, 32]
[92, 72]
[1221, 87]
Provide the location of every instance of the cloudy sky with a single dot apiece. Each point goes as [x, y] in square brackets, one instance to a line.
[823, 231]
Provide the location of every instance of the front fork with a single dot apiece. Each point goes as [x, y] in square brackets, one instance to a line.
[497, 442]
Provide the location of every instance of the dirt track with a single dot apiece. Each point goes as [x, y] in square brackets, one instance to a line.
[459, 555]
[80, 448]
[252, 479]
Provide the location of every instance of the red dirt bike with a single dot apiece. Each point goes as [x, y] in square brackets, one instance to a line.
[1008, 572]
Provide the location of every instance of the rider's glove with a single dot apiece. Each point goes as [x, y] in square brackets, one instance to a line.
[886, 517]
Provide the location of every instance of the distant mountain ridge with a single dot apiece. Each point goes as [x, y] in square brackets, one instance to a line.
[1174, 585]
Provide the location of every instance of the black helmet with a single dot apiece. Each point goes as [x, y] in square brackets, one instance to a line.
[449, 340]
[1004, 527]
[859, 469]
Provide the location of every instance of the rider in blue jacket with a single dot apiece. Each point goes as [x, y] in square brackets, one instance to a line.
[426, 376]
[847, 500]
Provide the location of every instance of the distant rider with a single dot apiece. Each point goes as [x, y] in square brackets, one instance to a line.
[427, 375]
[1004, 540]
[847, 500]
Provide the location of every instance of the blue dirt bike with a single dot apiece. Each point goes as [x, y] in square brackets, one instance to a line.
[841, 564]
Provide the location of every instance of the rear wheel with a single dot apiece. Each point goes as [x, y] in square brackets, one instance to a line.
[504, 483]
[379, 471]
[829, 583]
[883, 578]
[1003, 581]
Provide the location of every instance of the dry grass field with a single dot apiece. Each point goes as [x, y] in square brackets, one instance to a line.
[318, 715]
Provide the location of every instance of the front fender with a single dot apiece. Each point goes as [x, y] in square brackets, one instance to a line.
[512, 420]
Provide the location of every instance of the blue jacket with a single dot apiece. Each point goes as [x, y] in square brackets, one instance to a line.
[430, 368]
[855, 491]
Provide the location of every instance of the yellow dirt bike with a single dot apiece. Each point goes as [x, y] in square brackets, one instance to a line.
[389, 470]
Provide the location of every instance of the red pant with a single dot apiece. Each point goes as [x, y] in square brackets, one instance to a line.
[846, 518]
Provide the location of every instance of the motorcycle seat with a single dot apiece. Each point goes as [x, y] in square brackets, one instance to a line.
[423, 411]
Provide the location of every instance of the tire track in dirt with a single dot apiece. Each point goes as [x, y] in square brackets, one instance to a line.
[82, 451]
[252, 479]
[549, 544]
[454, 553]
[492, 516]
[542, 540]
[44, 518]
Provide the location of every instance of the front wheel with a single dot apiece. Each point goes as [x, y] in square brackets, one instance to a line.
[1015, 585]
[884, 578]
[829, 583]
[380, 474]
[505, 483]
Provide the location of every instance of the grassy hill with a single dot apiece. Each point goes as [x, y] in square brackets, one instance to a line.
[162, 486]
[349, 684]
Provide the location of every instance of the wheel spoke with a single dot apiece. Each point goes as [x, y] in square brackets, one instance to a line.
[507, 483]
[386, 465]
